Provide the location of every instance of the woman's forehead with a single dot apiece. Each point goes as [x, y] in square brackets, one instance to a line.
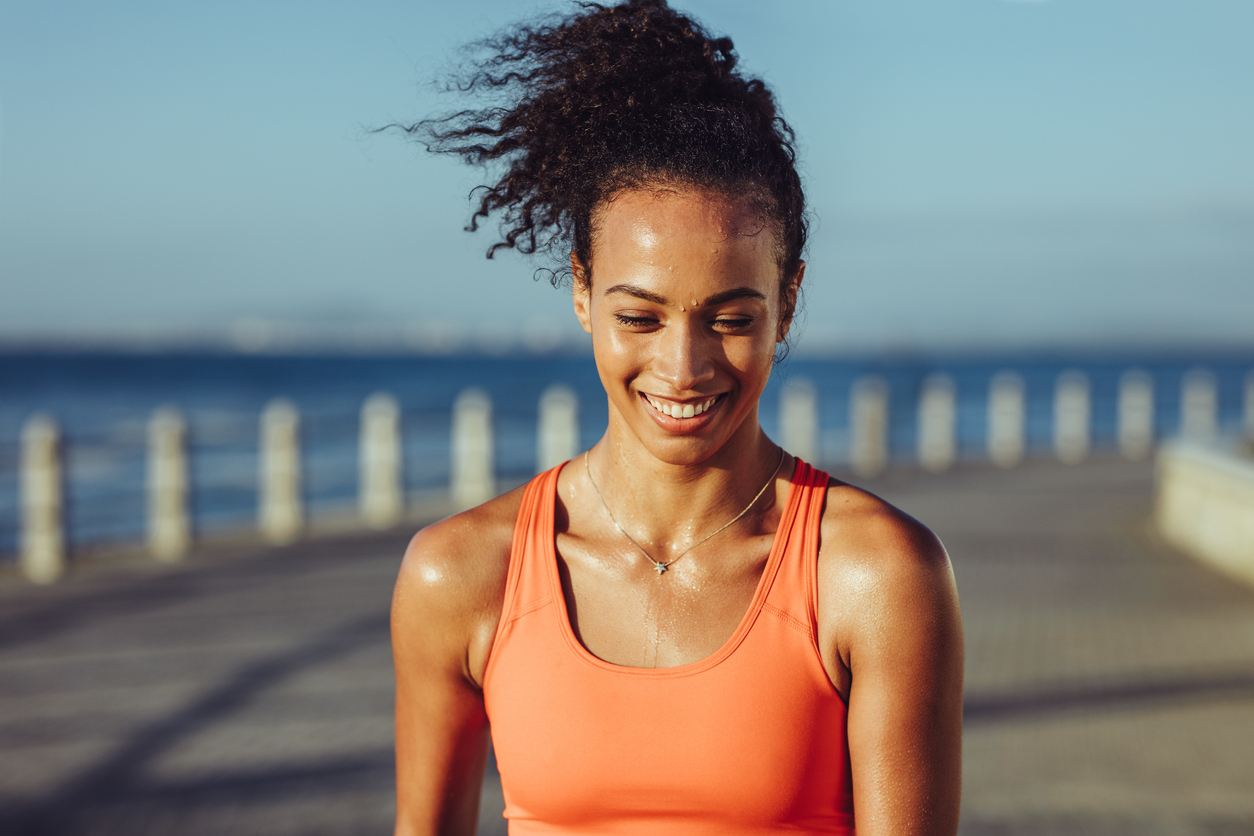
[682, 229]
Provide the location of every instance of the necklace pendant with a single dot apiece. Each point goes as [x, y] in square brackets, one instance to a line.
[661, 568]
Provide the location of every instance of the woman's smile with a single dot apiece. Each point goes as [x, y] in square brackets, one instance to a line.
[675, 409]
[682, 416]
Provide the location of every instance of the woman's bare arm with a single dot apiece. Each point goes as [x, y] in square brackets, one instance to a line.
[445, 610]
[897, 633]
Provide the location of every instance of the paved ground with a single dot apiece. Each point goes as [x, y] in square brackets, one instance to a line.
[1110, 682]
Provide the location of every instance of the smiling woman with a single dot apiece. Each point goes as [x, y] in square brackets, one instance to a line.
[694, 632]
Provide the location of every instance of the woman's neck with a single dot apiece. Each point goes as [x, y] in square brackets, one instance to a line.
[667, 506]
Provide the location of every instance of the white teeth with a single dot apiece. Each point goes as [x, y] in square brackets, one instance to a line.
[680, 410]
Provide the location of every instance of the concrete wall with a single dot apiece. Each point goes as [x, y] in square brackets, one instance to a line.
[1204, 504]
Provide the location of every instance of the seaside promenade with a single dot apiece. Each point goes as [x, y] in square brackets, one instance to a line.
[1109, 685]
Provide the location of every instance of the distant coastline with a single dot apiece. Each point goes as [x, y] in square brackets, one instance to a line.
[277, 337]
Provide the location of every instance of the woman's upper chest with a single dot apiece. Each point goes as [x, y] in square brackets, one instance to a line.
[625, 612]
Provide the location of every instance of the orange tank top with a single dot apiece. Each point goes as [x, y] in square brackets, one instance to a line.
[750, 740]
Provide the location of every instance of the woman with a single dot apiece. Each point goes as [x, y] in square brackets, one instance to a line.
[685, 629]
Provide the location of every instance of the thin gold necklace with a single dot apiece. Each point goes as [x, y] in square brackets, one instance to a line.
[658, 566]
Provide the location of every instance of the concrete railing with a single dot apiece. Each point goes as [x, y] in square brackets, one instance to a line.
[280, 512]
[1204, 504]
[42, 502]
[1006, 418]
[381, 495]
[282, 516]
[169, 486]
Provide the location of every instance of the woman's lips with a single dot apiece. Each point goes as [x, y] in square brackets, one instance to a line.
[672, 409]
[682, 417]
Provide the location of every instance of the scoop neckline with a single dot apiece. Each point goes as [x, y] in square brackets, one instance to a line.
[728, 647]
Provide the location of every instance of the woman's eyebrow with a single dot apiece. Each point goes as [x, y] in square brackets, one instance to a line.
[717, 299]
[732, 295]
[638, 292]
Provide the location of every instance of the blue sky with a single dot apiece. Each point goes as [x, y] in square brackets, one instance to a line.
[982, 172]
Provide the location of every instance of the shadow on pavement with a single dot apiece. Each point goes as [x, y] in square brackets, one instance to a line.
[1051, 698]
[117, 780]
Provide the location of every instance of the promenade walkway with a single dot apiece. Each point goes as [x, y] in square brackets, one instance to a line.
[1110, 681]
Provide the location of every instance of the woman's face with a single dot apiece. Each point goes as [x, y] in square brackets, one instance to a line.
[683, 305]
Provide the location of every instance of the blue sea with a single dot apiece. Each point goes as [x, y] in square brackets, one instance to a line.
[102, 402]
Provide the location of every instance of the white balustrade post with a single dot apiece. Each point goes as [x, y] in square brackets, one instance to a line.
[473, 479]
[1249, 405]
[799, 419]
[869, 432]
[380, 496]
[40, 486]
[937, 423]
[1136, 414]
[1006, 417]
[557, 438]
[1199, 405]
[1071, 417]
[169, 484]
[280, 510]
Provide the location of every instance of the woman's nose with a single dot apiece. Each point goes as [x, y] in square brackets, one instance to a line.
[683, 358]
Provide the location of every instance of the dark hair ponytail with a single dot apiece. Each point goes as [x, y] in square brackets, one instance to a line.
[614, 97]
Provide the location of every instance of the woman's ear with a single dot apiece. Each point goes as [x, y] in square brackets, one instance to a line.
[788, 301]
[581, 292]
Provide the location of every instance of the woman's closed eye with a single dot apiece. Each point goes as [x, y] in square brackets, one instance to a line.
[635, 320]
[725, 324]
[733, 324]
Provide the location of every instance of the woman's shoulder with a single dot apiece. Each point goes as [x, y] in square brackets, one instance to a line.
[885, 588]
[451, 584]
[869, 535]
[462, 550]
[880, 569]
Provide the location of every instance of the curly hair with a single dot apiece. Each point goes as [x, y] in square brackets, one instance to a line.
[609, 98]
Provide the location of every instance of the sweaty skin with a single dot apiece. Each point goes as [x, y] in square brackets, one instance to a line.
[683, 301]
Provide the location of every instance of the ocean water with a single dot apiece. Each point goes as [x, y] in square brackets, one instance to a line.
[102, 402]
